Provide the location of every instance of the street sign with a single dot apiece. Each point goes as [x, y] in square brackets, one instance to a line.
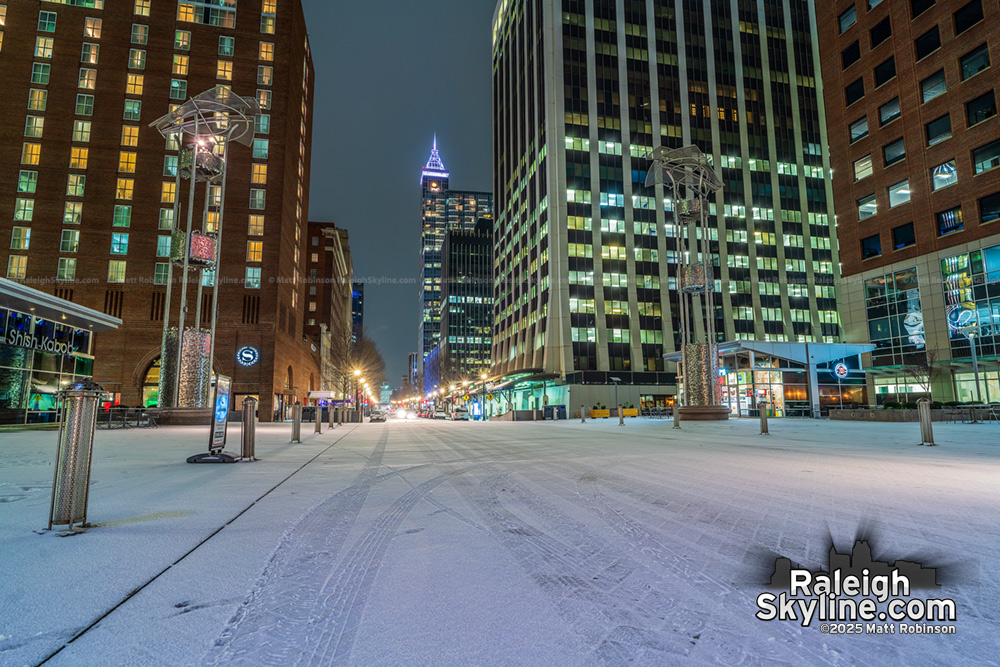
[489, 397]
[220, 415]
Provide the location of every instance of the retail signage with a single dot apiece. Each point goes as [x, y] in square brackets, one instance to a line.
[35, 342]
[247, 356]
[220, 415]
[840, 370]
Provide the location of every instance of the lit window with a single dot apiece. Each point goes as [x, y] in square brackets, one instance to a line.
[81, 130]
[210, 12]
[31, 153]
[944, 175]
[90, 53]
[180, 65]
[72, 213]
[255, 251]
[3, 15]
[166, 218]
[84, 105]
[43, 47]
[867, 207]
[259, 174]
[227, 46]
[269, 7]
[34, 126]
[20, 238]
[88, 79]
[170, 165]
[40, 73]
[134, 84]
[252, 280]
[37, 99]
[133, 109]
[260, 149]
[137, 59]
[69, 241]
[46, 21]
[950, 221]
[119, 244]
[126, 162]
[141, 8]
[130, 135]
[262, 123]
[224, 70]
[178, 89]
[92, 28]
[75, 185]
[17, 266]
[264, 99]
[116, 269]
[140, 33]
[267, 24]
[123, 216]
[257, 198]
[66, 269]
[27, 181]
[899, 193]
[78, 158]
[255, 227]
[124, 187]
[266, 52]
[161, 273]
[182, 40]
[168, 192]
[863, 167]
[265, 75]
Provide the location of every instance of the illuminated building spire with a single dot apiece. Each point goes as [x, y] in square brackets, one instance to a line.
[434, 163]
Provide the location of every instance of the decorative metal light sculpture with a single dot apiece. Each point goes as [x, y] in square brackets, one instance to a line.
[206, 124]
[688, 177]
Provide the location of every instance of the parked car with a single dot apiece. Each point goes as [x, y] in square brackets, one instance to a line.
[460, 414]
[377, 416]
[440, 414]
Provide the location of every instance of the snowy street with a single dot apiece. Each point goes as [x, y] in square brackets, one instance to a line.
[453, 543]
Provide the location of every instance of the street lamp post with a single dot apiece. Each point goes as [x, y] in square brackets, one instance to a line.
[970, 333]
[482, 397]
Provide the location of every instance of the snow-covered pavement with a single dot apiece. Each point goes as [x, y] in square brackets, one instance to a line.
[441, 543]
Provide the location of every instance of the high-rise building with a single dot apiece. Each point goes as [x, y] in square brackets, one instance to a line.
[441, 209]
[466, 302]
[914, 143]
[329, 322]
[357, 311]
[88, 187]
[587, 255]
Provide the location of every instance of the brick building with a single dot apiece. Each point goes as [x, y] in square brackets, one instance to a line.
[87, 187]
[915, 146]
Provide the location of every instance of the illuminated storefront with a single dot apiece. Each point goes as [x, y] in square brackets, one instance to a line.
[45, 345]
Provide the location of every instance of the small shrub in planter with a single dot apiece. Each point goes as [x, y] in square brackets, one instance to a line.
[891, 405]
[911, 405]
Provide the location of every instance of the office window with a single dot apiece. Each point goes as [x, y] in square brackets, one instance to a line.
[932, 86]
[986, 157]
[252, 280]
[66, 268]
[84, 105]
[168, 192]
[255, 225]
[182, 40]
[40, 73]
[967, 16]
[944, 175]
[170, 165]
[137, 59]
[89, 53]
[894, 152]
[859, 128]
[266, 52]
[867, 207]
[166, 218]
[938, 130]
[31, 153]
[43, 47]
[260, 149]
[863, 167]
[87, 79]
[255, 251]
[889, 111]
[130, 135]
[17, 267]
[264, 99]
[46, 21]
[75, 185]
[259, 174]
[27, 181]
[885, 71]
[24, 209]
[123, 188]
[903, 236]
[918, 7]
[262, 124]
[126, 162]
[72, 213]
[975, 61]
[69, 241]
[989, 208]
[257, 198]
[950, 221]
[927, 43]
[981, 108]
[37, 99]
[161, 273]
[34, 126]
[141, 8]
[899, 193]
[180, 67]
[92, 28]
[848, 18]
[133, 110]
[78, 158]
[178, 89]
[227, 46]
[854, 91]
[881, 32]
[224, 70]
[871, 247]
[20, 238]
[265, 75]
[116, 271]
[140, 33]
[134, 84]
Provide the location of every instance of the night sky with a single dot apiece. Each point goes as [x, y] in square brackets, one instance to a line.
[389, 74]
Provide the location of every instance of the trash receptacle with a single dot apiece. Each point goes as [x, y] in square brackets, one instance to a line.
[71, 485]
[248, 440]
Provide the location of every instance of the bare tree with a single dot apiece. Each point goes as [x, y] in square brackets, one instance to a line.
[925, 371]
[366, 357]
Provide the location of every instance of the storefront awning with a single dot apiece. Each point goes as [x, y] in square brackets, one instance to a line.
[16, 296]
[802, 353]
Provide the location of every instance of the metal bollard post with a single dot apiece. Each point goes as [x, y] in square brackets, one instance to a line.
[555, 413]
[297, 422]
[677, 416]
[333, 421]
[924, 412]
[319, 419]
[583, 415]
[71, 484]
[621, 417]
[248, 440]
[762, 409]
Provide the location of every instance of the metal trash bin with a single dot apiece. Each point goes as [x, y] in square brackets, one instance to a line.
[248, 440]
[71, 484]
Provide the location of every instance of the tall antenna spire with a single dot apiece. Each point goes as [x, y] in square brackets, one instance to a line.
[435, 163]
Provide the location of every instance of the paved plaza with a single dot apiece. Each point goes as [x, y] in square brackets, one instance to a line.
[451, 543]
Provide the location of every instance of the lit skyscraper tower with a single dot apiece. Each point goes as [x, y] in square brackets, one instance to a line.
[587, 255]
[441, 210]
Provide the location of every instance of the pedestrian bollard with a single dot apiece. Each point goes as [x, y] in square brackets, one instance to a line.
[762, 409]
[319, 419]
[71, 485]
[677, 416]
[924, 412]
[583, 415]
[621, 417]
[333, 421]
[297, 422]
[248, 439]
[555, 413]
